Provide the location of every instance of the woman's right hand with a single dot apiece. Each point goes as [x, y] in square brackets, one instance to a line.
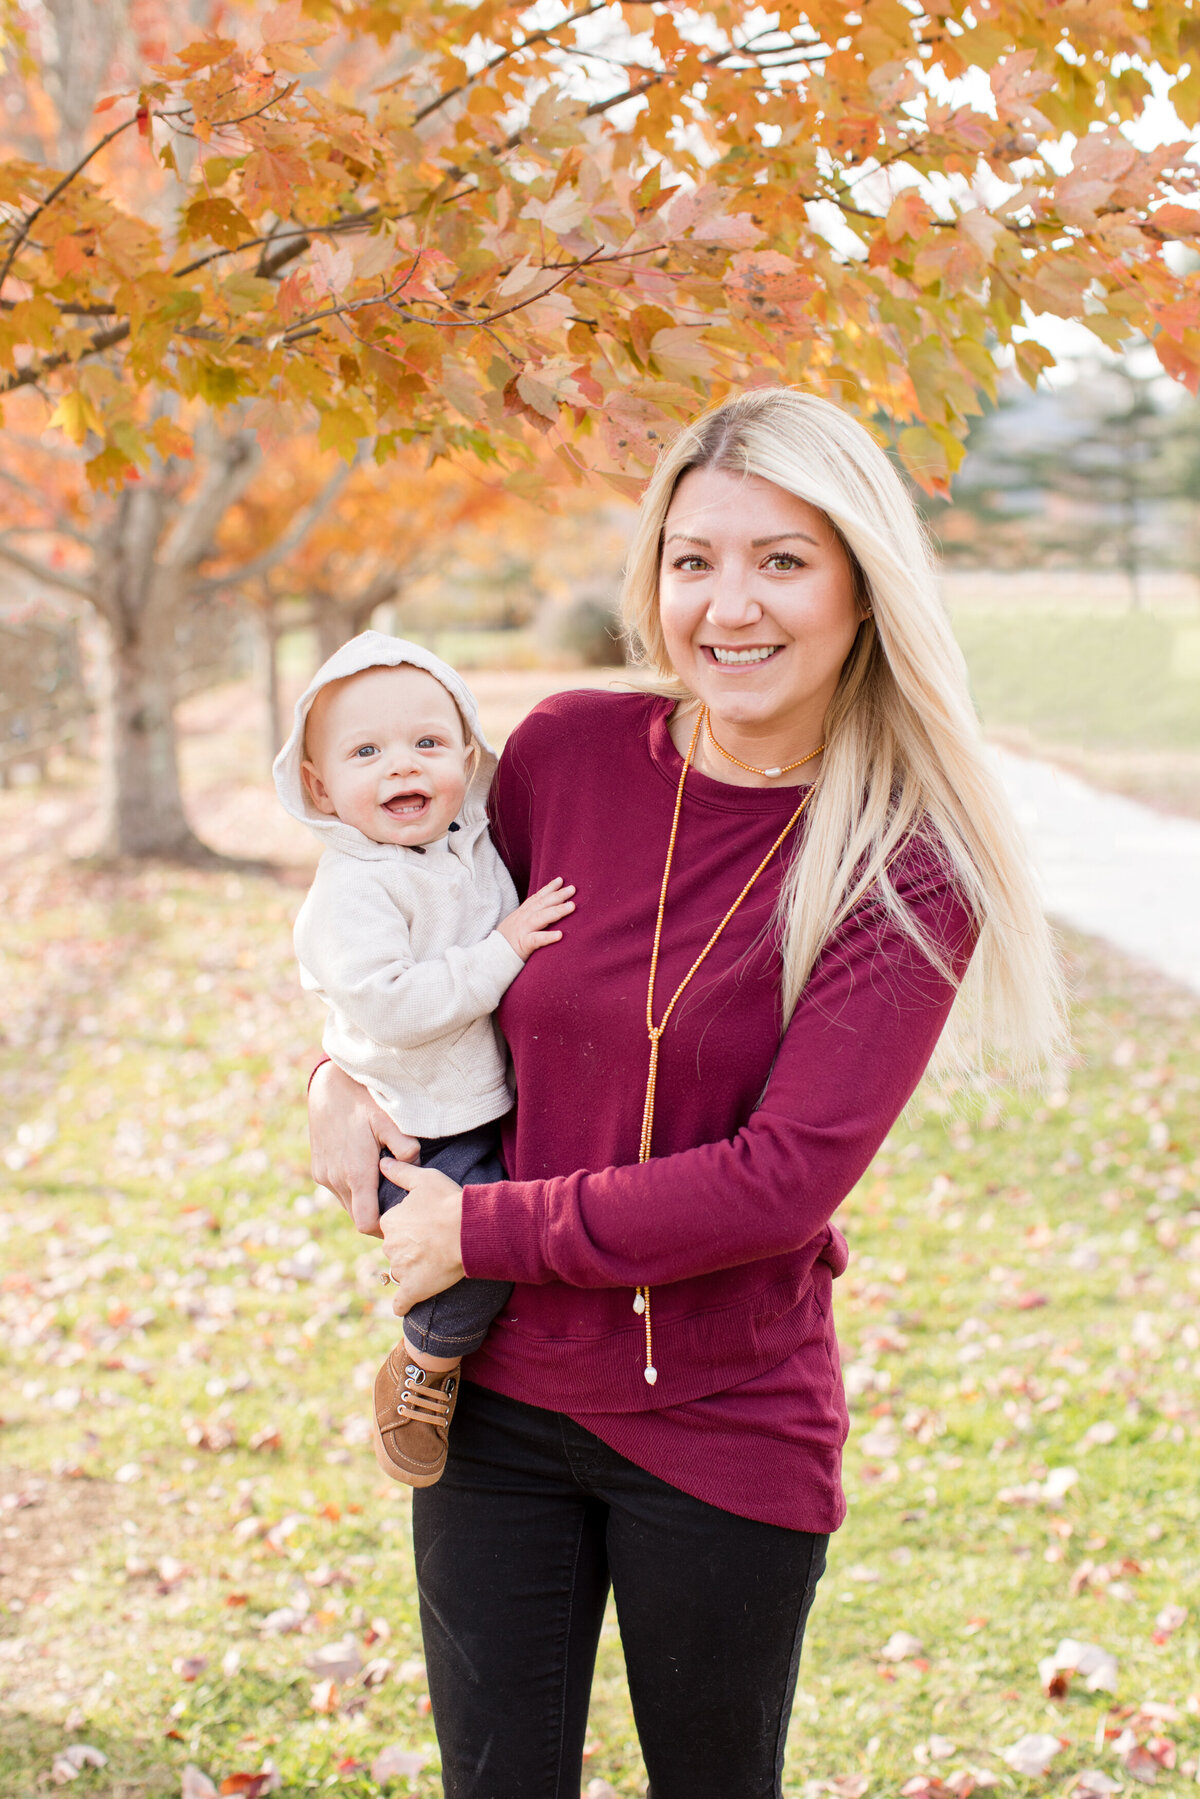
[346, 1133]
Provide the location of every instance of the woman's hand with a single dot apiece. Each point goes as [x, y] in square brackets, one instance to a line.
[422, 1236]
[346, 1132]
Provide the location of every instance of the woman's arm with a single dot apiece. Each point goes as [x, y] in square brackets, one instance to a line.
[856, 1048]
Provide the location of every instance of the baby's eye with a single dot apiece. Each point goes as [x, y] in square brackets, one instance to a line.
[427, 743]
[364, 750]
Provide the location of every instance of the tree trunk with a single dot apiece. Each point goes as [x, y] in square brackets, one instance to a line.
[332, 626]
[146, 816]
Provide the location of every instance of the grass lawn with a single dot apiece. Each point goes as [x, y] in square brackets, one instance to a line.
[1114, 696]
[191, 1513]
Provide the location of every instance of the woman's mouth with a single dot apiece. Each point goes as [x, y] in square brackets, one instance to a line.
[406, 805]
[730, 658]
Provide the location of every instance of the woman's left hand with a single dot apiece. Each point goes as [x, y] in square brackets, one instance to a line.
[422, 1235]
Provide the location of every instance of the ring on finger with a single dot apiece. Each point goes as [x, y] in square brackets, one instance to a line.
[386, 1277]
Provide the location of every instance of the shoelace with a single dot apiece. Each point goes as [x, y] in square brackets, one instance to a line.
[420, 1404]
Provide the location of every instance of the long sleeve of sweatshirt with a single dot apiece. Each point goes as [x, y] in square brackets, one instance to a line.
[846, 1066]
[355, 948]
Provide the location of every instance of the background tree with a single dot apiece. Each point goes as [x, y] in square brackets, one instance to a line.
[574, 231]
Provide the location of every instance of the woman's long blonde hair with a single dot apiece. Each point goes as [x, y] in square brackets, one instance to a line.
[905, 756]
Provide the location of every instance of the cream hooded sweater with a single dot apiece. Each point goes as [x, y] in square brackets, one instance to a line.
[402, 946]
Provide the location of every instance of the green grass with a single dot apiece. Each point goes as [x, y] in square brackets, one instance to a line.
[1096, 680]
[1019, 1276]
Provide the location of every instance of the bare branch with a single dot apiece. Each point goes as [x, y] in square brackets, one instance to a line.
[535, 37]
[50, 577]
[230, 469]
[284, 546]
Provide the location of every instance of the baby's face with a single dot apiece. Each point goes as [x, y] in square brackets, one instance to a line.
[386, 754]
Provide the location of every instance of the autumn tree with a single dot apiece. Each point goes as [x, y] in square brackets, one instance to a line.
[501, 225]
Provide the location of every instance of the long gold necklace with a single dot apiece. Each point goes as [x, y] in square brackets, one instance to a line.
[771, 773]
[641, 1303]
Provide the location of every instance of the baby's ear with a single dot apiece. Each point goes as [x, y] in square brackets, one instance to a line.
[314, 786]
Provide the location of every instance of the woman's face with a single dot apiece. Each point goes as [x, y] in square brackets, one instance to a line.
[756, 597]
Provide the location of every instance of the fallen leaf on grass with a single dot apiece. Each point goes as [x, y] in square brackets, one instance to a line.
[1097, 1667]
[190, 1667]
[901, 1646]
[1031, 1755]
[1092, 1783]
[337, 1661]
[1051, 1491]
[1169, 1620]
[937, 1749]
[268, 1438]
[395, 1763]
[70, 1762]
[376, 1671]
[283, 1619]
[196, 1785]
[325, 1696]
[216, 1435]
[1107, 1577]
[1144, 1761]
[253, 1786]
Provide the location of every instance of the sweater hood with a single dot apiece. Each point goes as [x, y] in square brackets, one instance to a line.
[373, 649]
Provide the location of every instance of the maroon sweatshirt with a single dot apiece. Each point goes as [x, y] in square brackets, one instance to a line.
[757, 1137]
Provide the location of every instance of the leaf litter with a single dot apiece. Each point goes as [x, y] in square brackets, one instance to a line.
[244, 1553]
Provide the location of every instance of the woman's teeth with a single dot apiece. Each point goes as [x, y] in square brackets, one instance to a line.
[760, 655]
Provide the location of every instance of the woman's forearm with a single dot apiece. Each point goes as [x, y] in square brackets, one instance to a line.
[845, 1070]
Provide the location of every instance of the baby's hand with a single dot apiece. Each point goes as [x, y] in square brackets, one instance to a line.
[529, 927]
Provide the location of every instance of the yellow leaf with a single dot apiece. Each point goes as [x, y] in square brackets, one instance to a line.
[75, 416]
[342, 429]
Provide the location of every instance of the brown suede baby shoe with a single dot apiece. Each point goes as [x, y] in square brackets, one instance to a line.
[413, 1409]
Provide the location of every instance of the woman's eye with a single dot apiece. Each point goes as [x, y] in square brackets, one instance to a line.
[782, 559]
[689, 564]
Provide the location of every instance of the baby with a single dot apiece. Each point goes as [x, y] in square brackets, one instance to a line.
[410, 933]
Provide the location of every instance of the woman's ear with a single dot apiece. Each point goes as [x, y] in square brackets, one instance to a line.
[315, 787]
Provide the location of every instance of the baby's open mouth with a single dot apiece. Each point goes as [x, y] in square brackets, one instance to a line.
[406, 805]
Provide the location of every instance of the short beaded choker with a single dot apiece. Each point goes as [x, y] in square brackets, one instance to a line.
[770, 773]
[641, 1303]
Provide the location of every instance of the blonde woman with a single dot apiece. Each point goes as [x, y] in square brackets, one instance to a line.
[796, 877]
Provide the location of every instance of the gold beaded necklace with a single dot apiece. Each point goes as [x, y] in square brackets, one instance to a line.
[771, 773]
[641, 1303]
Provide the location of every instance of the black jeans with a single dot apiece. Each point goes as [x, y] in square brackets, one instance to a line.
[516, 1547]
[455, 1322]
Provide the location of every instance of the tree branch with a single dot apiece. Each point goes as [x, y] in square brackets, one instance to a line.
[50, 577]
[285, 545]
[231, 467]
[61, 187]
[535, 37]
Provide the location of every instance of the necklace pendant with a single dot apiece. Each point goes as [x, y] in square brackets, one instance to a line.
[650, 1375]
[772, 772]
[639, 1304]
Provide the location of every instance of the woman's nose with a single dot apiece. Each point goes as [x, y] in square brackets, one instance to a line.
[732, 604]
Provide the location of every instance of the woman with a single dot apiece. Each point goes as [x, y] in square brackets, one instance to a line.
[791, 865]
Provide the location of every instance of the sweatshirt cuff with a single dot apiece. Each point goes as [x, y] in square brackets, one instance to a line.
[504, 960]
[501, 1236]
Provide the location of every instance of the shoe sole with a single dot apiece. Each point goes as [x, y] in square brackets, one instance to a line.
[405, 1477]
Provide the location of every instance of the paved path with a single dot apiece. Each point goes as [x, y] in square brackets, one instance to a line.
[1111, 867]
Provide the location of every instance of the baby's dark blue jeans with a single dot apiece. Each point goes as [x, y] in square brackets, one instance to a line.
[455, 1322]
